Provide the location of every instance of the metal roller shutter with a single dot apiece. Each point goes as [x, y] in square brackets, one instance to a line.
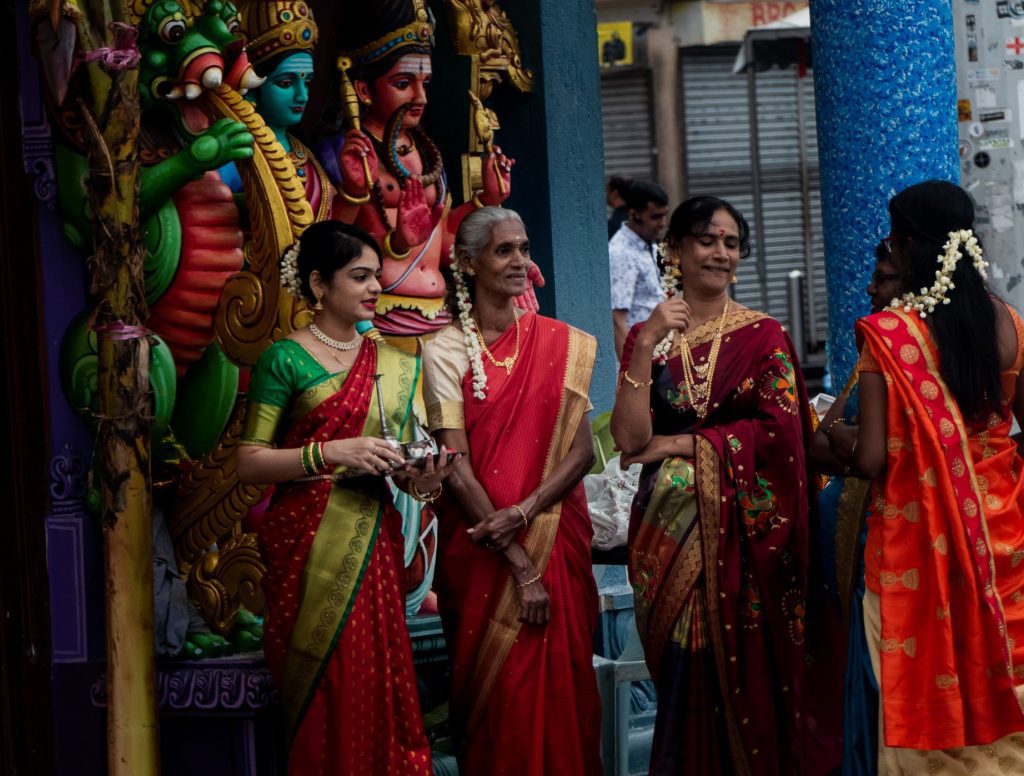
[626, 119]
[718, 161]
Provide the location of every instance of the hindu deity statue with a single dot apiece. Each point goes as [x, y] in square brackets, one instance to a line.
[281, 36]
[190, 222]
[389, 175]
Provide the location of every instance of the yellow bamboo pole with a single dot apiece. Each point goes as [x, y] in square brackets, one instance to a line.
[123, 442]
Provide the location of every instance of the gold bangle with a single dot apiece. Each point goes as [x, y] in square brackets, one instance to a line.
[426, 498]
[526, 522]
[637, 384]
[476, 201]
[353, 200]
[529, 582]
[390, 252]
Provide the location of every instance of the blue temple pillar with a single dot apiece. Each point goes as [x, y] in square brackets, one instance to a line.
[885, 89]
[556, 139]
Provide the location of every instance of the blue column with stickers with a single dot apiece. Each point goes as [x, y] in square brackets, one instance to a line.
[885, 91]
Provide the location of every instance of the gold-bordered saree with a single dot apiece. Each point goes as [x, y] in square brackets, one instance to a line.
[335, 640]
[718, 559]
[524, 697]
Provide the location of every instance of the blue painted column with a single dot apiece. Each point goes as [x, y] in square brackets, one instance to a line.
[885, 90]
[558, 183]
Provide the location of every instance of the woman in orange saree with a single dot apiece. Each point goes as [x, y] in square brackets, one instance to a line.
[335, 640]
[940, 383]
[712, 402]
[514, 581]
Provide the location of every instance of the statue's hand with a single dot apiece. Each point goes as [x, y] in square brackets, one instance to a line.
[225, 141]
[528, 301]
[356, 148]
[414, 221]
[496, 190]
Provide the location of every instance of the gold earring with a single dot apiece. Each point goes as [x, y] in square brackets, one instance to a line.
[470, 271]
[319, 306]
[733, 280]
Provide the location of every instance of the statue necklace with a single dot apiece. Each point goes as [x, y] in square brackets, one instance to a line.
[698, 377]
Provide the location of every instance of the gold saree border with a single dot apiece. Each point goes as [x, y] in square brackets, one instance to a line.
[330, 586]
[665, 612]
[708, 330]
[504, 626]
[709, 489]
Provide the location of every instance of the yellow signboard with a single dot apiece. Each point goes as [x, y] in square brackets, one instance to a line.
[615, 43]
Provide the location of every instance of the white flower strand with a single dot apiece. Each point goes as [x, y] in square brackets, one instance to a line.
[670, 284]
[290, 271]
[469, 330]
[929, 298]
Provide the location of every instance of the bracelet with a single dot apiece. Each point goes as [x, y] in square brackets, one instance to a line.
[853, 450]
[426, 498]
[636, 383]
[306, 457]
[529, 582]
[316, 450]
[390, 252]
[476, 201]
[526, 522]
[828, 429]
[353, 200]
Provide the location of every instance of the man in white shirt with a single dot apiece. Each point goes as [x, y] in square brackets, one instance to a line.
[635, 274]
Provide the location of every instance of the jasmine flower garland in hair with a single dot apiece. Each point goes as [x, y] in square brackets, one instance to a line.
[469, 330]
[290, 271]
[670, 284]
[929, 298]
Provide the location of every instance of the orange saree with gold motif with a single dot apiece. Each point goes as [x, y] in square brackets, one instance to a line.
[945, 541]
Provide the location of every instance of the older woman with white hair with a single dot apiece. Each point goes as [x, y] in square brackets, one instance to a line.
[508, 388]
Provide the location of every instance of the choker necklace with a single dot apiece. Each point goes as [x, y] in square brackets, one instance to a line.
[505, 363]
[330, 342]
[699, 393]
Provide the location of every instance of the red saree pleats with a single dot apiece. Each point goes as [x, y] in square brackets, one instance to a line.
[542, 711]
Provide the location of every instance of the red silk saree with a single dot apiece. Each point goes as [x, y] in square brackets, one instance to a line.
[524, 697]
[335, 639]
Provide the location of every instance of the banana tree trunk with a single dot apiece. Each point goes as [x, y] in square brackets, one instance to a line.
[123, 441]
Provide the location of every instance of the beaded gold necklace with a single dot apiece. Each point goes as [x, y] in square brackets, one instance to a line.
[510, 361]
[697, 378]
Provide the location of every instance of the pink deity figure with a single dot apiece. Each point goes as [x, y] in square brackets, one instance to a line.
[389, 175]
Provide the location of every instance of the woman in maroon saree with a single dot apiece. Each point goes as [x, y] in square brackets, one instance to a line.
[718, 549]
[514, 579]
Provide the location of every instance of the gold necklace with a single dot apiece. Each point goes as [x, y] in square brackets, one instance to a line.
[699, 393]
[506, 363]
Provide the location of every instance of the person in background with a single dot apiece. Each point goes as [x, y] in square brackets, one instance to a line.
[615, 197]
[635, 275]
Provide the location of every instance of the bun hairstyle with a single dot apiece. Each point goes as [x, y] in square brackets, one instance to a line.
[328, 246]
[693, 217]
[922, 217]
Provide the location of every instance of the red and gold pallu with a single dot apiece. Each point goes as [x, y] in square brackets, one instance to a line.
[525, 697]
[948, 627]
[336, 641]
[719, 563]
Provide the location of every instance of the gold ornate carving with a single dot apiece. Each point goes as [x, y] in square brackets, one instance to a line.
[226, 580]
[483, 30]
[254, 309]
[211, 500]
